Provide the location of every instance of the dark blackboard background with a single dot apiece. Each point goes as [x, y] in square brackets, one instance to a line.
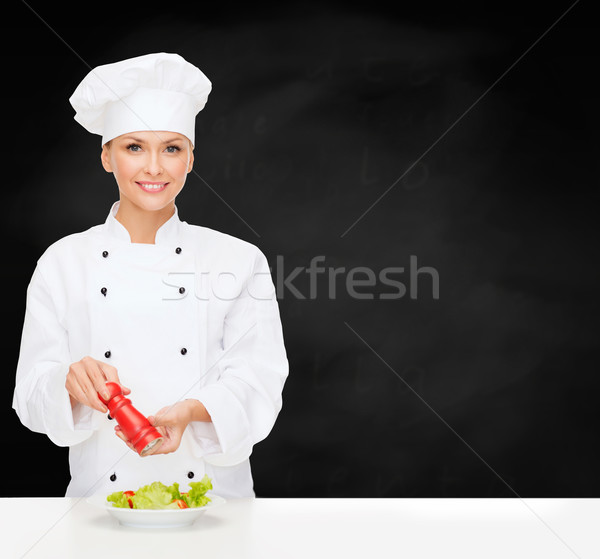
[315, 113]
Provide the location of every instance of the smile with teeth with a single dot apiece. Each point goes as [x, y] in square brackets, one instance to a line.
[152, 186]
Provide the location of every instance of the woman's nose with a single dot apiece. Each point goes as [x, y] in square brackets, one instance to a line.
[153, 166]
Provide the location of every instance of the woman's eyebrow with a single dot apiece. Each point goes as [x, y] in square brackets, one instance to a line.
[138, 140]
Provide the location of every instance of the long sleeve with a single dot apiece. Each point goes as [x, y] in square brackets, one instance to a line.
[40, 398]
[252, 368]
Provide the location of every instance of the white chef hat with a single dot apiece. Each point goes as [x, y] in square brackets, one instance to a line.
[152, 92]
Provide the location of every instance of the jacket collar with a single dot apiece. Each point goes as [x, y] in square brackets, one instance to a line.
[167, 233]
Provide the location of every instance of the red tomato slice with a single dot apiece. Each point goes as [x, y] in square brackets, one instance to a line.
[181, 503]
[129, 494]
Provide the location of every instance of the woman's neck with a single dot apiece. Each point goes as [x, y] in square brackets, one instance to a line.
[142, 224]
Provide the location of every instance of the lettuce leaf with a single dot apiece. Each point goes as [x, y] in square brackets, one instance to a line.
[174, 490]
[118, 499]
[157, 495]
[196, 495]
[154, 496]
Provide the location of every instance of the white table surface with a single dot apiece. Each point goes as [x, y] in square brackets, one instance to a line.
[334, 528]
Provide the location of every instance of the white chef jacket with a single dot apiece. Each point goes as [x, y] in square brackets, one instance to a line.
[194, 315]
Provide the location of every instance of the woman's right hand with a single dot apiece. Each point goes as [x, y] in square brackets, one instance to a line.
[88, 377]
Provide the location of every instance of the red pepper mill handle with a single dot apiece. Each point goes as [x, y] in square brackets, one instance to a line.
[134, 425]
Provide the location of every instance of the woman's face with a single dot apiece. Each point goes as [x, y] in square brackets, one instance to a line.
[150, 167]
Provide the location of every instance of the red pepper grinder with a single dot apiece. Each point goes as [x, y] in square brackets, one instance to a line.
[134, 425]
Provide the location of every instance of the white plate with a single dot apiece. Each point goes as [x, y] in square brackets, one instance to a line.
[147, 518]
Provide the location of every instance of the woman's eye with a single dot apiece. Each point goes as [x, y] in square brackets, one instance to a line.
[134, 147]
[173, 149]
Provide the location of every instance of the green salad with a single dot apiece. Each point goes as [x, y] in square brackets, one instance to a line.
[157, 495]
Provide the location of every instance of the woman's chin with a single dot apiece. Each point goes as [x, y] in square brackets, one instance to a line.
[148, 202]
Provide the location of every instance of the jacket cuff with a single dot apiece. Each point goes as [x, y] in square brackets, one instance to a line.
[65, 426]
[226, 439]
[205, 439]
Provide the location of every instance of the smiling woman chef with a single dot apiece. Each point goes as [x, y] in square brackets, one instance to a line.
[185, 318]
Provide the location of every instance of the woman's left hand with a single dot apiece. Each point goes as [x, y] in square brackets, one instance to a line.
[170, 422]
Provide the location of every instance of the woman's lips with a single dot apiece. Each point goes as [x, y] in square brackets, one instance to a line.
[152, 186]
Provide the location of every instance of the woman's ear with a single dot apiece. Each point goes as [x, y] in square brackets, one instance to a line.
[105, 158]
[191, 163]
